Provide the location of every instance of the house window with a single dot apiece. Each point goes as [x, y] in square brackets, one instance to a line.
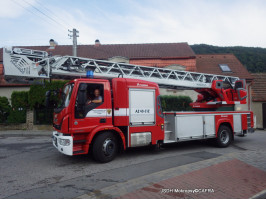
[225, 68]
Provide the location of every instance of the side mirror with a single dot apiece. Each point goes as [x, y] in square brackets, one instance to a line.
[47, 98]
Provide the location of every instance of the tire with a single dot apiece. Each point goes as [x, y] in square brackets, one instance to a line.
[224, 136]
[156, 147]
[105, 147]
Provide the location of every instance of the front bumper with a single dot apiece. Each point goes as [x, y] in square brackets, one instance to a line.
[65, 149]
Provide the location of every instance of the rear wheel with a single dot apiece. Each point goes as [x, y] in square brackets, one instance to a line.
[156, 147]
[105, 147]
[224, 136]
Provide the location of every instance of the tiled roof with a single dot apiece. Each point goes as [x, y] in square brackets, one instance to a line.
[131, 51]
[106, 51]
[259, 87]
[209, 63]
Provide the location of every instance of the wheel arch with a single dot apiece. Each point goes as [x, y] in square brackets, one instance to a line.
[116, 131]
[229, 125]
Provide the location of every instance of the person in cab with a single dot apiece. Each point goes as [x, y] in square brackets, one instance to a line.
[97, 98]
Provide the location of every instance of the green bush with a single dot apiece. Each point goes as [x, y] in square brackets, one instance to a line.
[37, 93]
[176, 103]
[19, 102]
[4, 109]
[17, 116]
[36, 99]
[19, 99]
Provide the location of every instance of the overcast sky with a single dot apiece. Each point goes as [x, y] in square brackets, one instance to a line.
[215, 22]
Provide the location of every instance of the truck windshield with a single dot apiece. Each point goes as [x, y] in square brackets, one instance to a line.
[66, 95]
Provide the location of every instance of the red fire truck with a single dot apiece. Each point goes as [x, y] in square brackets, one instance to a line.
[108, 113]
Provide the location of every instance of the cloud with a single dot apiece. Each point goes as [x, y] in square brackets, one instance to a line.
[13, 8]
[213, 22]
[224, 23]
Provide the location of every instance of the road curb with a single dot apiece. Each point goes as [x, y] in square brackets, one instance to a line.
[25, 133]
[260, 195]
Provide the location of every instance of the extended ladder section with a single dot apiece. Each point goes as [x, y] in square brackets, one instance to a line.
[30, 64]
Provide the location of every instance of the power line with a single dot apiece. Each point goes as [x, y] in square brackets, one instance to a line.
[53, 13]
[30, 11]
[45, 14]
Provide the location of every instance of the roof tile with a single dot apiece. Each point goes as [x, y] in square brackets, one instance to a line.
[131, 51]
[209, 63]
[259, 87]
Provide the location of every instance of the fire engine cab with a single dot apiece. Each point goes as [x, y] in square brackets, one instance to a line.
[108, 113]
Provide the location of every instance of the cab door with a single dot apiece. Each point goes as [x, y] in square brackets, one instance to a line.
[88, 115]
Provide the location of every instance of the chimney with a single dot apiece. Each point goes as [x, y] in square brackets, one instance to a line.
[97, 43]
[53, 43]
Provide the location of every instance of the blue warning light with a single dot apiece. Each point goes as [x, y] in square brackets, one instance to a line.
[89, 74]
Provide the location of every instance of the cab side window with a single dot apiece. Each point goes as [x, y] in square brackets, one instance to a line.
[89, 97]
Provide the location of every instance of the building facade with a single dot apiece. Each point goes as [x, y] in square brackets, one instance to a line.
[258, 103]
[178, 56]
[170, 55]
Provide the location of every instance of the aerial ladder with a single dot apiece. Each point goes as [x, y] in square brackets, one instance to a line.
[27, 65]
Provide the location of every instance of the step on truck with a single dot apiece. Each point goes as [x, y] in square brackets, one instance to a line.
[115, 106]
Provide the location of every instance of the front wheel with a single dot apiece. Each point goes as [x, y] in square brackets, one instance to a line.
[105, 147]
[224, 136]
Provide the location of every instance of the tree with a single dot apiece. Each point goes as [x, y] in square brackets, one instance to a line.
[253, 58]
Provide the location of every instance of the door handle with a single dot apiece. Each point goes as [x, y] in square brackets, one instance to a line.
[103, 120]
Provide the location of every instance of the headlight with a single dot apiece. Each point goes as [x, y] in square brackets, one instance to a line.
[64, 142]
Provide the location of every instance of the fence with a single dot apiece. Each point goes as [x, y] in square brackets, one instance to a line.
[43, 116]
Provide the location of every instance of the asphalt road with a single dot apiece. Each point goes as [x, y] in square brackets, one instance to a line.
[32, 168]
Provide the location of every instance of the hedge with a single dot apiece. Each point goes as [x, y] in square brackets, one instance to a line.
[36, 98]
[5, 109]
[20, 100]
[17, 116]
[37, 93]
[176, 103]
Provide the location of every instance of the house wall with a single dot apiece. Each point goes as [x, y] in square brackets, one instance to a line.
[119, 59]
[190, 63]
[257, 110]
[7, 91]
